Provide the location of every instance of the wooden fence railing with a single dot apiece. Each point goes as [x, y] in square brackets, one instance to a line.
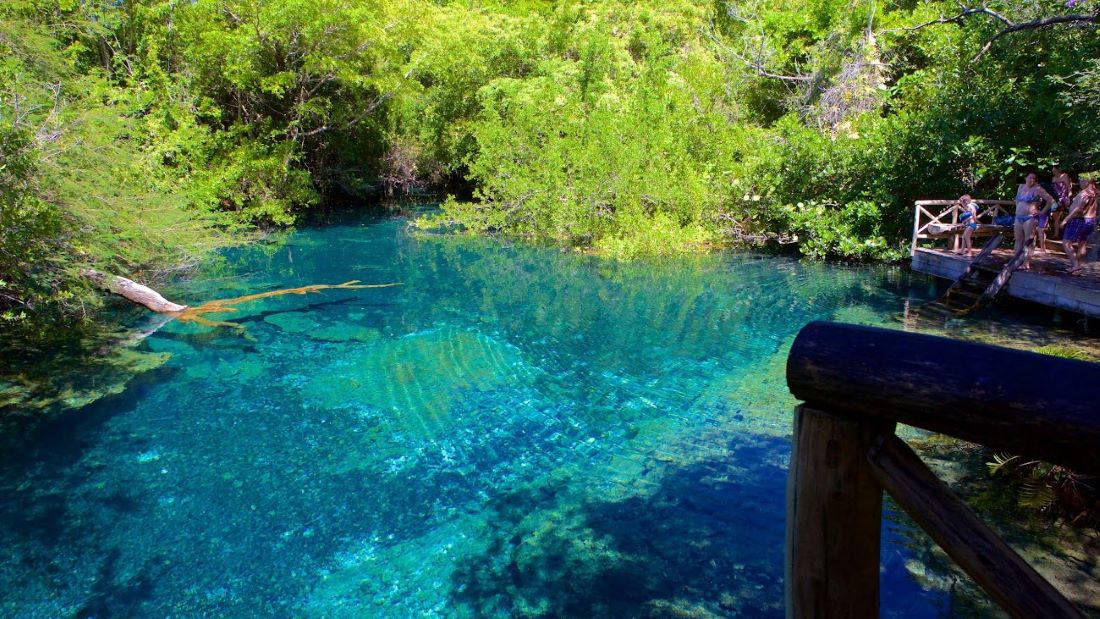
[932, 221]
[856, 384]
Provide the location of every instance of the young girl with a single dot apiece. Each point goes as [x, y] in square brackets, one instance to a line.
[968, 218]
[1063, 192]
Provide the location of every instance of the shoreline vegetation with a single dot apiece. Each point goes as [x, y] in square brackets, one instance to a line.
[138, 137]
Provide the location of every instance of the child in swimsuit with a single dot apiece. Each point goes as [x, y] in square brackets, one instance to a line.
[1063, 191]
[1042, 217]
[969, 218]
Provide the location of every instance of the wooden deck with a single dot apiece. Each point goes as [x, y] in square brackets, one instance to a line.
[1046, 282]
[936, 232]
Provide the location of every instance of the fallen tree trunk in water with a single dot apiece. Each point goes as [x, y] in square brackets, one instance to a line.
[151, 299]
[142, 295]
[222, 306]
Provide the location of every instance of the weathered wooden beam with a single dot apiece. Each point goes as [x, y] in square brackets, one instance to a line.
[834, 515]
[1007, 578]
[950, 202]
[1010, 400]
[916, 230]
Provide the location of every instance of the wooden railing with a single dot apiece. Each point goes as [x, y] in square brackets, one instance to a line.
[930, 222]
[856, 384]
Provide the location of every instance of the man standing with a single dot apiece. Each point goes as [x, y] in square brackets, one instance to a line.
[1079, 225]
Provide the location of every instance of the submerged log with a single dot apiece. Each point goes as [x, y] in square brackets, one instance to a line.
[224, 306]
[151, 299]
[138, 293]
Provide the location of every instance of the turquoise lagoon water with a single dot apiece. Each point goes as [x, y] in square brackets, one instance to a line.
[511, 432]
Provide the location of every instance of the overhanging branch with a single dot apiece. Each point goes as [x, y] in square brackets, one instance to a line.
[762, 72]
[1038, 23]
[1009, 25]
[963, 14]
[756, 65]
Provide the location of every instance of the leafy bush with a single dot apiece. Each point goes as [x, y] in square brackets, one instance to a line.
[29, 228]
[1050, 489]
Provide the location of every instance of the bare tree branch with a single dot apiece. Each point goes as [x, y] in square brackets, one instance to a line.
[313, 132]
[1009, 25]
[963, 14]
[756, 65]
[1038, 23]
[297, 134]
[763, 72]
[12, 299]
[369, 109]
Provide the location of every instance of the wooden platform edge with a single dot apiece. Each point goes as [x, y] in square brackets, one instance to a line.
[1038, 288]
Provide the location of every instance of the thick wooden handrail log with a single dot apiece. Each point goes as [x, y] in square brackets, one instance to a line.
[1007, 578]
[1011, 400]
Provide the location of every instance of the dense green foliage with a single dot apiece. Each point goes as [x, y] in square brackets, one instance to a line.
[136, 135]
[86, 172]
[649, 129]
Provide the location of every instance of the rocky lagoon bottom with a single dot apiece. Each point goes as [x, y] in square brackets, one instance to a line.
[512, 432]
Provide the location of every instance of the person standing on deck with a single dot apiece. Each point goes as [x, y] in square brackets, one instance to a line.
[1063, 192]
[1080, 223]
[1028, 198]
[969, 219]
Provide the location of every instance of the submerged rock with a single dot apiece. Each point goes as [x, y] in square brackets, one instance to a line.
[301, 323]
[75, 386]
[345, 333]
[292, 322]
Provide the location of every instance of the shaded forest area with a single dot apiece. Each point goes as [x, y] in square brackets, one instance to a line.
[138, 135]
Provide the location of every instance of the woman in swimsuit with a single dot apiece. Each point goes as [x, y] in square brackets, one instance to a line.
[1028, 198]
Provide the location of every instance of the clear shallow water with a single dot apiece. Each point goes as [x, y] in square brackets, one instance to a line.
[513, 431]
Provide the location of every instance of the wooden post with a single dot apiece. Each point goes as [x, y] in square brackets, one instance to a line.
[916, 227]
[834, 515]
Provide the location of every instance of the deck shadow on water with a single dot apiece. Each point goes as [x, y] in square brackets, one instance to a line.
[706, 540]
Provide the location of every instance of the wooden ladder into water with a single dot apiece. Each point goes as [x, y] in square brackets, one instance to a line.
[977, 286]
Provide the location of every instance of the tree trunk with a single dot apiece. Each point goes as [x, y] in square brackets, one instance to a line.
[142, 295]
